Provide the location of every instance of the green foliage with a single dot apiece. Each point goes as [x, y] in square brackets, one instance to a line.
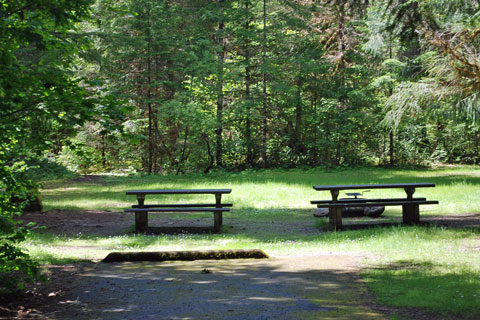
[46, 168]
[42, 100]
[310, 87]
[16, 267]
[177, 87]
[274, 78]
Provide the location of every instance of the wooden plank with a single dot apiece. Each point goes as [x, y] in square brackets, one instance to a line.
[364, 200]
[373, 204]
[180, 191]
[411, 214]
[141, 218]
[140, 210]
[373, 186]
[217, 221]
[217, 216]
[335, 218]
[184, 205]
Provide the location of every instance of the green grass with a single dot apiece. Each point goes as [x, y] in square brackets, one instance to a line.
[434, 268]
[457, 188]
[428, 285]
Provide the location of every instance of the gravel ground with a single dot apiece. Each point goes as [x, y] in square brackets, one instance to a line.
[278, 288]
[304, 287]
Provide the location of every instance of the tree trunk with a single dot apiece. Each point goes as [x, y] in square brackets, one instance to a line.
[104, 147]
[297, 140]
[156, 152]
[173, 125]
[315, 127]
[149, 98]
[221, 59]
[341, 36]
[264, 85]
[391, 149]
[390, 54]
[248, 121]
[327, 156]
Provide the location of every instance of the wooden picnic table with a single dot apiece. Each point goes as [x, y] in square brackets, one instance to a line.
[410, 205]
[141, 210]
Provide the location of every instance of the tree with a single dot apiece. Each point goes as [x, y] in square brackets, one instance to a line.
[41, 101]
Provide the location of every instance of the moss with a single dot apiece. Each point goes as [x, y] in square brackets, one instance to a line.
[185, 255]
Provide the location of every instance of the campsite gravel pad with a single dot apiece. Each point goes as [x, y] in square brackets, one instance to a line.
[308, 287]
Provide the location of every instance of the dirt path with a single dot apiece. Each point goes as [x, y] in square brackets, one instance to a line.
[326, 287]
[98, 223]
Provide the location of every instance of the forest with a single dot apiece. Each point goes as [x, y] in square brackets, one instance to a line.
[252, 84]
[162, 87]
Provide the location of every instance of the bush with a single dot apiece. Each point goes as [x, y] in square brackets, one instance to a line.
[41, 169]
[16, 267]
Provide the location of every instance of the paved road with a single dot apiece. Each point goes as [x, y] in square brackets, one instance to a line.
[316, 287]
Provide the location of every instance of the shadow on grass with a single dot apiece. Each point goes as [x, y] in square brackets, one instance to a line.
[427, 285]
[247, 234]
[249, 223]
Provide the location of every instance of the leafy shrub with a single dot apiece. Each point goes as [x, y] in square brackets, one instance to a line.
[16, 267]
[41, 169]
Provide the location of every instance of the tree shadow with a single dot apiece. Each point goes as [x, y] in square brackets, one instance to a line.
[265, 226]
[240, 289]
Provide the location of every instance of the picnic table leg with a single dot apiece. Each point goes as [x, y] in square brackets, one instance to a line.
[335, 214]
[141, 218]
[217, 216]
[410, 212]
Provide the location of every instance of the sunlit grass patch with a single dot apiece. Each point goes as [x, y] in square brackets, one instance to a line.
[446, 289]
[457, 188]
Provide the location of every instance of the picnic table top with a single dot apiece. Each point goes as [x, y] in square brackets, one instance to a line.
[180, 191]
[374, 186]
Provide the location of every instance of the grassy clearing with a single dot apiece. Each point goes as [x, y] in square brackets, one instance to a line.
[429, 267]
[457, 188]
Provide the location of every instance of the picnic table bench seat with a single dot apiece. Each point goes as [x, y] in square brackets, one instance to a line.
[410, 205]
[182, 205]
[168, 209]
[141, 209]
[361, 200]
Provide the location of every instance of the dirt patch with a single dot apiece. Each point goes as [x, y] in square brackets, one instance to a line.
[92, 222]
[456, 221]
[109, 223]
[41, 299]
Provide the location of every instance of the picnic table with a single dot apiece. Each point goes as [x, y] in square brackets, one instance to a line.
[410, 205]
[141, 209]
